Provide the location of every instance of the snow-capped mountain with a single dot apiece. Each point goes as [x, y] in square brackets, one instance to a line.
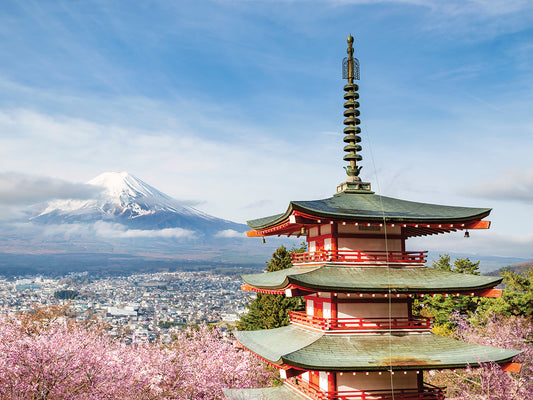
[127, 200]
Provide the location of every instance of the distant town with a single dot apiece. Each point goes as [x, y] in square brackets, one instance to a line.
[138, 307]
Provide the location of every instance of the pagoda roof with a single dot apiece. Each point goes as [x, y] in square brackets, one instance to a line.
[301, 348]
[268, 393]
[339, 278]
[367, 206]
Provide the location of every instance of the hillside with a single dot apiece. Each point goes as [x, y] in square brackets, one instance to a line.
[516, 268]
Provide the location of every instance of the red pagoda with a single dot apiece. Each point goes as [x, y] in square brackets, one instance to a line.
[357, 338]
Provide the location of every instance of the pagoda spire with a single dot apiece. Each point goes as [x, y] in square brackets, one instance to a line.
[350, 71]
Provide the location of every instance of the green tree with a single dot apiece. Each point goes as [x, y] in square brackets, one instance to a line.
[269, 311]
[517, 298]
[462, 265]
[441, 307]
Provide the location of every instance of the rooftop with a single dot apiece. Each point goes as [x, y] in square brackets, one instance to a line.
[305, 349]
[375, 279]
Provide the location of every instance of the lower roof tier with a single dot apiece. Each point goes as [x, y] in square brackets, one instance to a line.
[269, 393]
[377, 279]
[301, 348]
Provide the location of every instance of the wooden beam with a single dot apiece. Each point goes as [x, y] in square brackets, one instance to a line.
[512, 367]
[296, 292]
[289, 373]
[478, 225]
[247, 288]
[491, 293]
[253, 233]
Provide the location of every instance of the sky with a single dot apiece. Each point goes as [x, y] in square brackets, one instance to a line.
[235, 107]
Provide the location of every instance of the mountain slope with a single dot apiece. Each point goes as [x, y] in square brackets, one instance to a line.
[127, 200]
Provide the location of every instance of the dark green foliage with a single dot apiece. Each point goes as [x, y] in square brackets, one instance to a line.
[440, 307]
[517, 296]
[269, 311]
[462, 265]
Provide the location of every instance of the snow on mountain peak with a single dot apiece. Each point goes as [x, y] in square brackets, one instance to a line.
[123, 194]
[119, 184]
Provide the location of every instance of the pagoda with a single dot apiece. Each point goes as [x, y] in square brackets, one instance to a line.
[357, 337]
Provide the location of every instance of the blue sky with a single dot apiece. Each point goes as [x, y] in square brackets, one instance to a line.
[236, 106]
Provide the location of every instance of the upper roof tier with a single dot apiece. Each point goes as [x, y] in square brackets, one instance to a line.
[366, 206]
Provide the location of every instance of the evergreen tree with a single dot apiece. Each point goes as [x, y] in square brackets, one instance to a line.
[441, 307]
[269, 311]
[517, 298]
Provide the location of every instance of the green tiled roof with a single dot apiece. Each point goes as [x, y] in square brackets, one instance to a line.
[301, 348]
[372, 279]
[372, 207]
[269, 393]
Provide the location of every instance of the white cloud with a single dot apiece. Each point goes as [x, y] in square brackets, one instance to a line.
[455, 7]
[224, 175]
[230, 233]
[479, 242]
[104, 230]
[119, 231]
[513, 185]
[19, 189]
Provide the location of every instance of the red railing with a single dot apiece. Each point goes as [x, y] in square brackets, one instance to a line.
[332, 324]
[360, 256]
[428, 392]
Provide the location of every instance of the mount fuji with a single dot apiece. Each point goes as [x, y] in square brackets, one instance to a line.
[126, 200]
[125, 225]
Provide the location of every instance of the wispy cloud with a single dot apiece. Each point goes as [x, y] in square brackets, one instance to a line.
[230, 233]
[19, 189]
[105, 229]
[513, 185]
[102, 229]
[480, 242]
[455, 7]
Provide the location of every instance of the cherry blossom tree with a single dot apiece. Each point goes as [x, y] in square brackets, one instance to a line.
[490, 382]
[54, 358]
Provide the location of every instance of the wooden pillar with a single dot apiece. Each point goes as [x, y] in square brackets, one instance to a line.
[313, 378]
[334, 237]
[334, 310]
[334, 302]
[332, 384]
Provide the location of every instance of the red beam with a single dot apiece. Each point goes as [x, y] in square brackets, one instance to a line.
[491, 293]
[512, 367]
[478, 225]
[289, 373]
[250, 288]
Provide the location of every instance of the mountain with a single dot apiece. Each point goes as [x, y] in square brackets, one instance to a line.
[520, 269]
[127, 200]
[125, 225]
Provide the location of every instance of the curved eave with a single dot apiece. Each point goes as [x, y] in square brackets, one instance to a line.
[372, 280]
[373, 208]
[299, 348]
[270, 393]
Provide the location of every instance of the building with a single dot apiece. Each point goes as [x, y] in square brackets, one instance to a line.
[357, 337]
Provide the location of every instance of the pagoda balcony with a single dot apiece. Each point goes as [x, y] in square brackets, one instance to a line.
[428, 392]
[360, 257]
[359, 324]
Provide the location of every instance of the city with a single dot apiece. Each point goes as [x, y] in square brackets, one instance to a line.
[139, 307]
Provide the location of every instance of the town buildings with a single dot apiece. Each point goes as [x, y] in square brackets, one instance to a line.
[138, 307]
